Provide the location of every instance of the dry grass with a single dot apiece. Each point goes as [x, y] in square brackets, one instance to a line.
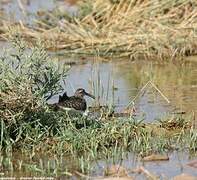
[16, 102]
[27, 80]
[131, 28]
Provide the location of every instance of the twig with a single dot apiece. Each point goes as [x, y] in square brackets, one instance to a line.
[142, 89]
[148, 174]
[133, 100]
[145, 172]
[21, 7]
[86, 176]
[160, 92]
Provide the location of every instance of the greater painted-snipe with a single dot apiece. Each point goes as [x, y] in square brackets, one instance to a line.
[76, 102]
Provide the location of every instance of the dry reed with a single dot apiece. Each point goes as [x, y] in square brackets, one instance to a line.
[132, 28]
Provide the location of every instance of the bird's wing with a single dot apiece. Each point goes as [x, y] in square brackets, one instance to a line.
[76, 103]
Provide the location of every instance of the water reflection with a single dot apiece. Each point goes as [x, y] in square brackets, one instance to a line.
[119, 81]
[176, 165]
[13, 11]
[26, 10]
[64, 165]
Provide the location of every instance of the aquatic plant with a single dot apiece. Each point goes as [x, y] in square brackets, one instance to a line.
[175, 122]
[28, 78]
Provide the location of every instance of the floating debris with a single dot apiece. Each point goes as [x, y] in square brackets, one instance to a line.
[156, 157]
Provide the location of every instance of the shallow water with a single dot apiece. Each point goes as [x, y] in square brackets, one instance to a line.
[118, 82]
[13, 11]
[177, 164]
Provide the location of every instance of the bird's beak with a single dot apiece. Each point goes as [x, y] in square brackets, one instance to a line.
[90, 95]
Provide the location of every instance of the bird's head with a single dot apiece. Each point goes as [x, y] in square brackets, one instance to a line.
[81, 93]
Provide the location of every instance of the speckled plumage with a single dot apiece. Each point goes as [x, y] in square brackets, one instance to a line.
[76, 102]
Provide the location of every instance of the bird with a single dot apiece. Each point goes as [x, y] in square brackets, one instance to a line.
[76, 101]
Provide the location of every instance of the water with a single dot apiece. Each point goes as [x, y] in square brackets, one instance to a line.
[118, 82]
[27, 13]
[177, 164]
[13, 11]
[121, 80]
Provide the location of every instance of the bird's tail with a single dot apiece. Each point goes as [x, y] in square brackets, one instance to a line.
[63, 97]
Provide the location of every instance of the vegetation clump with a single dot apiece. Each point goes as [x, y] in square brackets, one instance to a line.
[27, 79]
[27, 122]
[135, 29]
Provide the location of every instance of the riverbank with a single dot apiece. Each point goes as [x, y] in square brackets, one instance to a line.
[149, 30]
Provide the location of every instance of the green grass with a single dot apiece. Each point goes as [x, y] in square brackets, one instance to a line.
[109, 141]
[27, 123]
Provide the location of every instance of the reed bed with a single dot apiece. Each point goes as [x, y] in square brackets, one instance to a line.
[132, 28]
